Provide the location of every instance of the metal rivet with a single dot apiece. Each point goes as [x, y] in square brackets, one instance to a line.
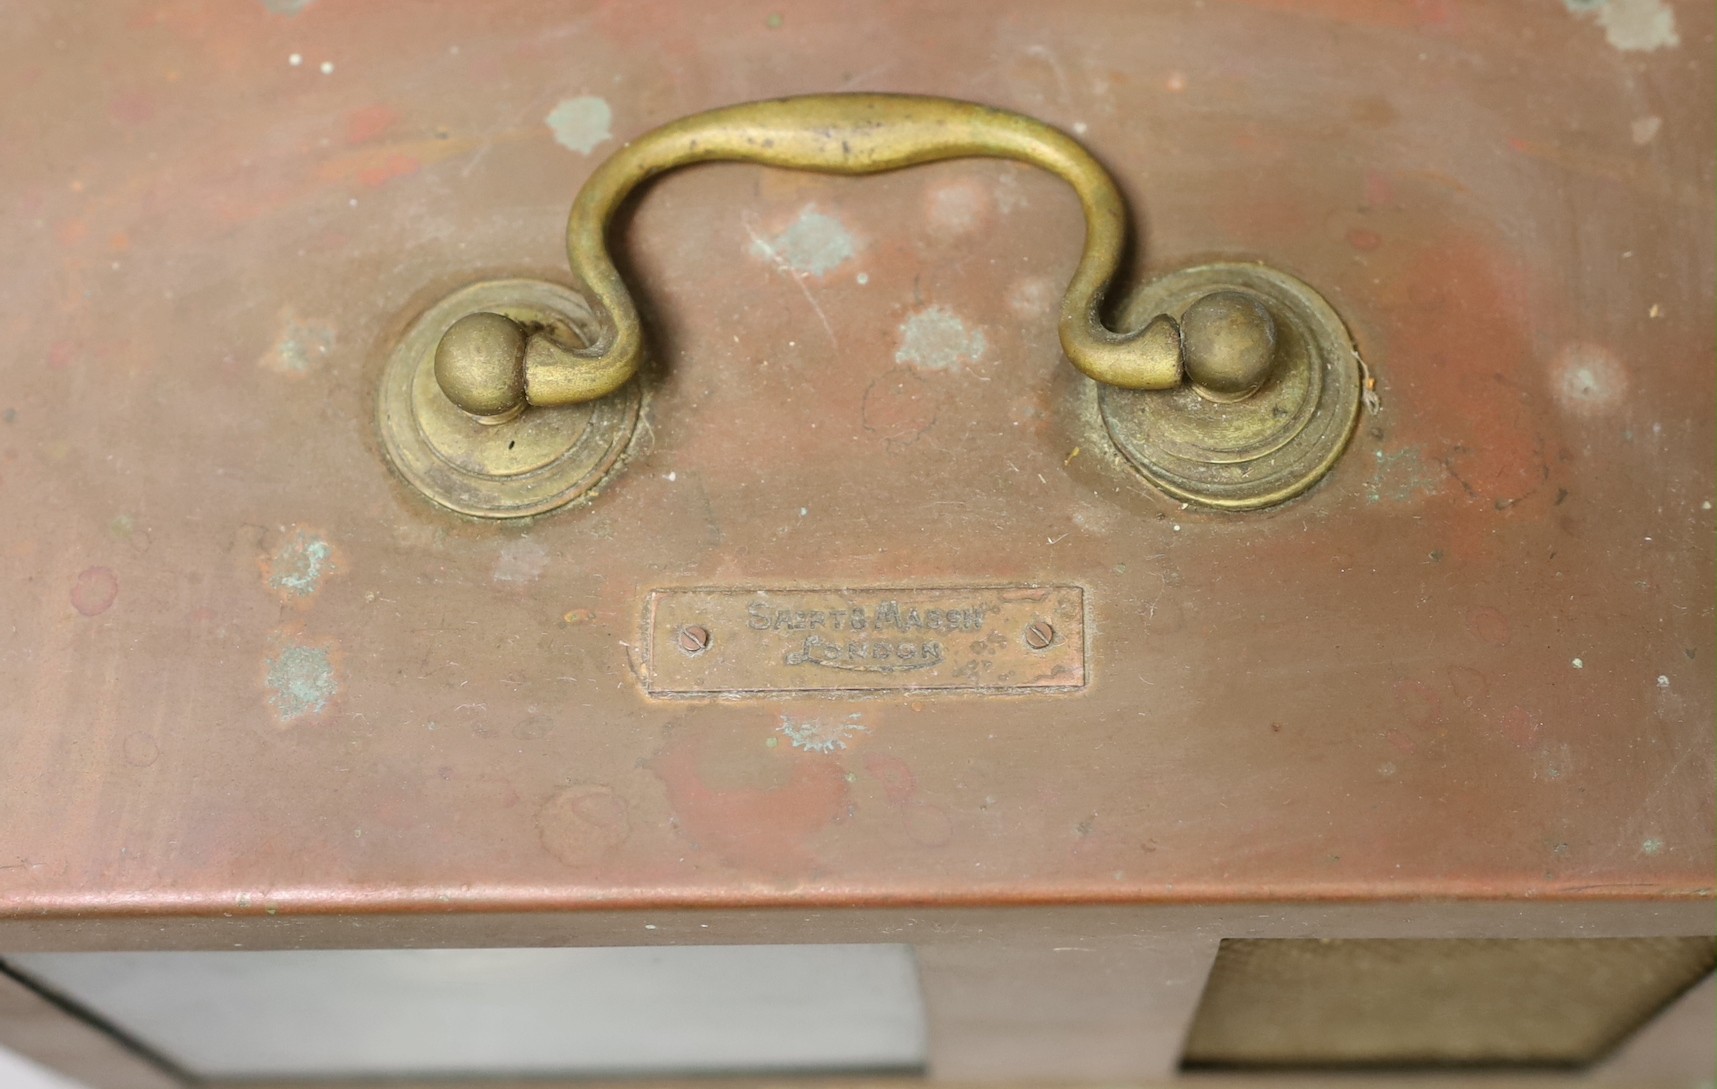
[1039, 635]
[693, 639]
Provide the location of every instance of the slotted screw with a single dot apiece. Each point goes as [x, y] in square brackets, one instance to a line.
[693, 639]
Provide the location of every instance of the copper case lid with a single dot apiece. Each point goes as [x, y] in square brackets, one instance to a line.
[247, 671]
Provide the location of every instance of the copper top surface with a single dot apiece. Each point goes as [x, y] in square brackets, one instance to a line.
[244, 668]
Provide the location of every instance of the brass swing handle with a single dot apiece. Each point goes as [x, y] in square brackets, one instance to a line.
[492, 367]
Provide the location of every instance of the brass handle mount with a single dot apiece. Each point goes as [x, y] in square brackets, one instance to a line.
[492, 367]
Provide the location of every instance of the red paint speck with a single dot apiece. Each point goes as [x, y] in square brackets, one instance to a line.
[131, 109]
[369, 123]
[1490, 625]
[1419, 702]
[394, 166]
[897, 780]
[1435, 12]
[1466, 313]
[1379, 190]
[94, 590]
[71, 231]
[769, 828]
[1362, 238]
[61, 353]
[1520, 727]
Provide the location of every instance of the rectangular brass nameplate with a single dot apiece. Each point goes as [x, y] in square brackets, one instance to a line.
[960, 638]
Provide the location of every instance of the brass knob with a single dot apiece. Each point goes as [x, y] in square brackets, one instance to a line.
[1227, 344]
[480, 365]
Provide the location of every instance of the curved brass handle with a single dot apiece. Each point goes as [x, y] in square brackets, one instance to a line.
[492, 368]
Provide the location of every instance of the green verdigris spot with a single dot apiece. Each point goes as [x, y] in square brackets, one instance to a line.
[300, 681]
[299, 565]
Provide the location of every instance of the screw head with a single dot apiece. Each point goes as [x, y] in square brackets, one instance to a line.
[1038, 635]
[693, 639]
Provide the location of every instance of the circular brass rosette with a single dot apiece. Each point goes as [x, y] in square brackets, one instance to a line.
[535, 462]
[1263, 449]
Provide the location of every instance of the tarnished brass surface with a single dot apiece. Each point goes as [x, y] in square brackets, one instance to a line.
[479, 365]
[834, 134]
[1228, 344]
[1252, 451]
[923, 639]
[515, 464]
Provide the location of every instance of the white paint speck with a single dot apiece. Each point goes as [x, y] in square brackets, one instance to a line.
[1645, 128]
[295, 59]
[1032, 297]
[1553, 762]
[824, 735]
[520, 561]
[1662, 681]
[1578, 664]
[936, 339]
[1705, 505]
[327, 68]
[958, 208]
[579, 124]
[1588, 380]
[804, 511]
[814, 244]
[673, 477]
[1631, 25]
[863, 278]
[1080, 128]
[1177, 527]
[1651, 846]
[300, 346]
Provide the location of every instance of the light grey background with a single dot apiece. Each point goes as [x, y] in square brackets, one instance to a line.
[626, 1011]
[17, 1072]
